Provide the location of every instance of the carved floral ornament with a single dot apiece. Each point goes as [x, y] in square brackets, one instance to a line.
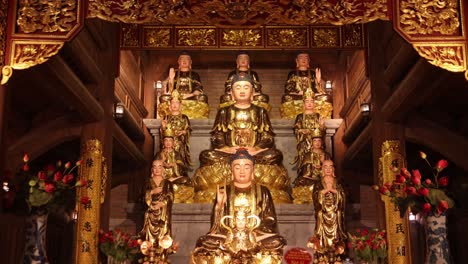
[433, 27]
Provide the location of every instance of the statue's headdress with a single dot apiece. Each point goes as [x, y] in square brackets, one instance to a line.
[308, 94]
[175, 95]
[168, 132]
[242, 153]
[242, 77]
[317, 133]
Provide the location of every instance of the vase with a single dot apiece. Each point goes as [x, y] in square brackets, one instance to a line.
[35, 247]
[437, 246]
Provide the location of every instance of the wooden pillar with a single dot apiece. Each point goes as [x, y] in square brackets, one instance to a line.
[3, 126]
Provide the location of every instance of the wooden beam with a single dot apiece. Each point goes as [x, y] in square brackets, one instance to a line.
[357, 147]
[428, 133]
[43, 138]
[422, 82]
[77, 95]
[126, 147]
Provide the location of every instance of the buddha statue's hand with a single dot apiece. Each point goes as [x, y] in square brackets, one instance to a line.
[171, 74]
[254, 151]
[220, 196]
[318, 75]
[304, 131]
[164, 123]
[229, 150]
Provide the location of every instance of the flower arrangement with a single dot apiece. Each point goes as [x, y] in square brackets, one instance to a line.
[369, 245]
[119, 245]
[49, 189]
[410, 190]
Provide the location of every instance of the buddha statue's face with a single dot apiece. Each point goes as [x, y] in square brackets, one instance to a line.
[328, 168]
[242, 91]
[243, 61]
[241, 221]
[157, 168]
[242, 170]
[168, 143]
[302, 61]
[317, 143]
[309, 104]
[175, 106]
[185, 62]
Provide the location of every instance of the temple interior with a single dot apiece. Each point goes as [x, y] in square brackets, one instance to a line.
[52, 109]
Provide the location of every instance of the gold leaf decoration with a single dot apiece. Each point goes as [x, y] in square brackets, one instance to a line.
[156, 37]
[242, 37]
[325, 37]
[129, 35]
[30, 53]
[429, 17]
[451, 57]
[352, 35]
[3, 31]
[47, 16]
[196, 37]
[287, 37]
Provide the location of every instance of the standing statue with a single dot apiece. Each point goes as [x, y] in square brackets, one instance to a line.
[298, 82]
[180, 125]
[157, 223]
[174, 168]
[243, 67]
[241, 125]
[329, 236]
[308, 130]
[188, 84]
[227, 239]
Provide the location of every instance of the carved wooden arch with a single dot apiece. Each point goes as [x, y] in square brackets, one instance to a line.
[30, 33]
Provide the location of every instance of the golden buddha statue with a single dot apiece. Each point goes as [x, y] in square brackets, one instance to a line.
[241, 125]
[180, 126]
[329, 236]
[243, 67]
[174, 169]
[244, 223]
[300, 80]
[157, 223]
[188, 84]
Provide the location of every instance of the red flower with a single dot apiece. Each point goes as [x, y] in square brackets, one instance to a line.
[416, 174]
[78, 163]
[400, 179]
[422, 155]
[41, 175]
[49, 188]
[58, 176]
[67, 178]
[441, 164]
[364, 232]
[405, 173]
[410, 190]
[426, 208]
[80, 183]
[428, 181]
[375, 187]
[443, 181]
[50, 168]
[67, 165]
[384, 190]
[416, 181]
[25, 157]
[25, 167]
[423, 191]
[85, 200]
[442, 206]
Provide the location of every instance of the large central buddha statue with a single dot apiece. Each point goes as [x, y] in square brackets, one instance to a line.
[241, 125]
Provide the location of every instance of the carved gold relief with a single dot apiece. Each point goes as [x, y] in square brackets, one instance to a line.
[3, 30]
[26, 54]
[429, 17]
[47, 16]
[87, 226]
[129, 35]
[242, 37]
[391, 162]
[451, 57]
[325, 37]
[156, 37]
[131, 11]
[196, 37]
[287, 37]
[352, 35]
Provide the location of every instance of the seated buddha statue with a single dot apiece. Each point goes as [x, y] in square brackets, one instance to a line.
[180, 126]
[243, 67]
[298, 82]
[188, 84]
[241, 125]
[244, 225]
[175, 170]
